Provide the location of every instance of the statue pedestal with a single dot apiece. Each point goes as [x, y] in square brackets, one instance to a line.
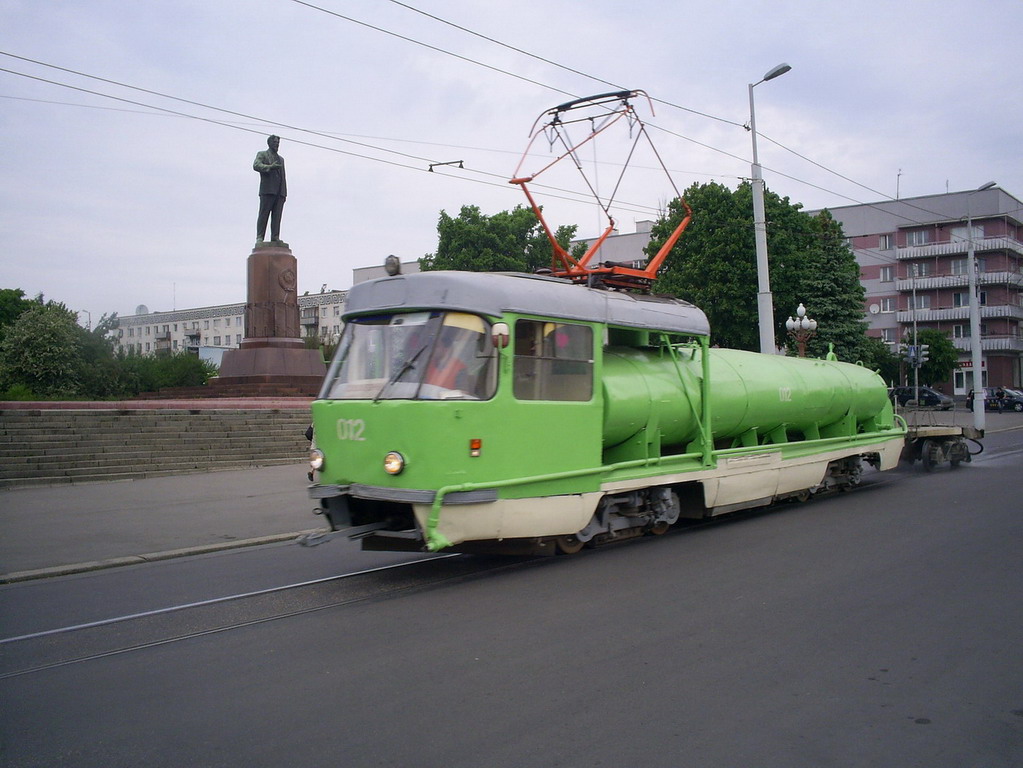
[272, 354]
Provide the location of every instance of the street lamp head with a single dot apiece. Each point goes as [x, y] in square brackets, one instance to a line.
[778, 71]
[791, 324]
[982, 187]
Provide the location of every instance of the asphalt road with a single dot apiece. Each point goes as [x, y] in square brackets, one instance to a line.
[875, 628]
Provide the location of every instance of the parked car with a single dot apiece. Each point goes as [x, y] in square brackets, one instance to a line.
[1013, 400]
[930, 398]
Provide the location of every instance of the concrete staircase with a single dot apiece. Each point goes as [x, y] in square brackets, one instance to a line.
[39, 447]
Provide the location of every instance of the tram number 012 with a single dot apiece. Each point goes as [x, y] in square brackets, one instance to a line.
[350, 429]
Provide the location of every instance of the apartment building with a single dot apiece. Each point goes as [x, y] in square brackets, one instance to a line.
[208, 331]
[913, 264]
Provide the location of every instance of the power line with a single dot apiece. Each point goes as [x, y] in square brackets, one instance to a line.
[616, 85]
[554, 63]
[432, 47]
[553, 192]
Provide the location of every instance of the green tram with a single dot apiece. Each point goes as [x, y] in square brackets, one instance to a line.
[481, 412]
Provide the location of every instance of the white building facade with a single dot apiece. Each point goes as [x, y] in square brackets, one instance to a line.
[207, 329]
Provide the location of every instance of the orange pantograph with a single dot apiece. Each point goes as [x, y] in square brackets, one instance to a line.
[601, 111]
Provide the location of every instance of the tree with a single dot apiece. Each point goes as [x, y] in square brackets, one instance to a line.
[42, 351]
[878, 356]
[12, 304]
[943, 357]
[713, 265]
[508, 241]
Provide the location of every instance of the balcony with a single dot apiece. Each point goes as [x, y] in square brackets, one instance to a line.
[959, 281]
[959, 247]
[959, 313]
[162, 336]
[992, 344]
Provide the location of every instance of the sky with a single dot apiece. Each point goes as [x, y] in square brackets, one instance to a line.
[129, 129]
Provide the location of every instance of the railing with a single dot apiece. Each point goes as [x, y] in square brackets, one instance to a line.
[930, 282]
[991, 344]
[955, 247]
[959, 313]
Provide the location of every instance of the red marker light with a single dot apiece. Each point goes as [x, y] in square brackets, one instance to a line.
[475, 446]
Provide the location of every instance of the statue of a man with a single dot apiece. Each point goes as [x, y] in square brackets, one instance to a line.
[273, 190]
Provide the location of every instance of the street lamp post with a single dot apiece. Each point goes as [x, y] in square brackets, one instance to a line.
[976, 351]
[765, 303]
[801, 328]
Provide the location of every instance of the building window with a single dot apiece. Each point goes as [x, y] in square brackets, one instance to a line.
[337, 310]
[216, 341]
[885, 242]
[237, 338]
[887, 274]
[959, 266]
[921, 269]
[962, 298]
[887, 305]
[923, 301]
[888, 335]
[918, 237]
[206, 325]
[175, 343]
[147, 346]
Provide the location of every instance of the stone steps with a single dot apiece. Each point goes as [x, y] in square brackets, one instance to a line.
[41, 446]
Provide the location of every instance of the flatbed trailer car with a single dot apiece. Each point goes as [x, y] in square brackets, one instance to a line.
[936, 444]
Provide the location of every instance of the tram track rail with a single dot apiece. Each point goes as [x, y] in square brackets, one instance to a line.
[38, 652]
[44, 650]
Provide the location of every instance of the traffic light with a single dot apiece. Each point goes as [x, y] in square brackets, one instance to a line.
[909, 354]
[923, 354]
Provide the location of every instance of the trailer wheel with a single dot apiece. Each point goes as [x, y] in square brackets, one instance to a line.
[930, 454]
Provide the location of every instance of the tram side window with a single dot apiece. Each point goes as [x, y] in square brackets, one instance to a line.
[553, 361]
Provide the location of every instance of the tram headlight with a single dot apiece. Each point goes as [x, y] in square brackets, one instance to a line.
[394, 463]
[316, 459]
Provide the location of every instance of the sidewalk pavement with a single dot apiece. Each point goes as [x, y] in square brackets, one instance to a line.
[63, 529]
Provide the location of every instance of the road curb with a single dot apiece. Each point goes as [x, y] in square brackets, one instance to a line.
[150, 557]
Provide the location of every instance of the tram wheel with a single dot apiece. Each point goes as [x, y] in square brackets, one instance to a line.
[660, 527]
[569, 545]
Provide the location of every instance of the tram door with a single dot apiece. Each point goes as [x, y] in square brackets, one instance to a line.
[554, 390]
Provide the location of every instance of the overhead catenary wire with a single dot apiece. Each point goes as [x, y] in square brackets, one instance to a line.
[660, 101]
[506, 72]
[499, 182]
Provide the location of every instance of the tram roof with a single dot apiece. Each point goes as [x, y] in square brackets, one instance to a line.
[494, 293]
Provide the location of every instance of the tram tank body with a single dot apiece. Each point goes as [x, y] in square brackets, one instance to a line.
[498, 412]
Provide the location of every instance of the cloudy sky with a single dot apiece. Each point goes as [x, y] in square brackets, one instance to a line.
[129, 128]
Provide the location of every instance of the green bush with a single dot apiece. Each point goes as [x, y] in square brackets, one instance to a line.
[18, 392]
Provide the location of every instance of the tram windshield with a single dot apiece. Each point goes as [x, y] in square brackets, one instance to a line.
[414, 356]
